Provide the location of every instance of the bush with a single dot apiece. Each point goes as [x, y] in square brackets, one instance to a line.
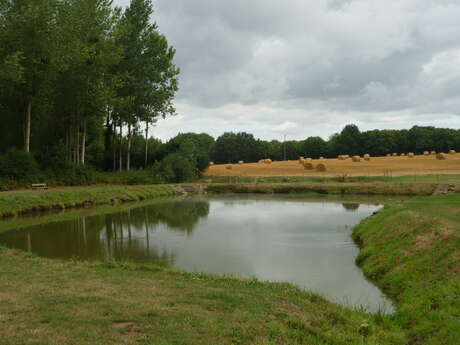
[18, 165]
[56, 159]
[79, 175]
[174, 168]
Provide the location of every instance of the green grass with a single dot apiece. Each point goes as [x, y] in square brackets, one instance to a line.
[56, 302]
[412, 251]
[411, 179]
[359, 188]
[20, 202]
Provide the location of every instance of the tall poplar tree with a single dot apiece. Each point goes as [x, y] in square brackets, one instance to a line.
[150, 79]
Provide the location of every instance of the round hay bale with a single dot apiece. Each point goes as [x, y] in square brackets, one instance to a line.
[426, 153]
[388, 154]
[411, 155]
[433, 152]
[301, 159]
[344, 157]
[308, 166]
[395, 154]
[211, 163]
[321, 157]
[229, 167]
[441, 156]
[403, 154]
[321, 167]
[452, 152]
[262, 161]
[367, 157]
[241, 162]
[268, 161]
[356, 159]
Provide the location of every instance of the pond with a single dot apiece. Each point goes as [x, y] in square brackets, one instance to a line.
[302, 240]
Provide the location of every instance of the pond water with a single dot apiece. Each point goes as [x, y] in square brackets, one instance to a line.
[299, 240]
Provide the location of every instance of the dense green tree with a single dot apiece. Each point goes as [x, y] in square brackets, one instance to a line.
[149, 75]
[314, 147]
[233, 147]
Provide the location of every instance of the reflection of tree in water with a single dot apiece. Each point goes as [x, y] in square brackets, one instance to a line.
[127, 238]
[128, 233]
[351, 207]
[178, 215]
[121, 236]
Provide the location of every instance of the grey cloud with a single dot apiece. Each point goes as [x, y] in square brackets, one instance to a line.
[350, 60]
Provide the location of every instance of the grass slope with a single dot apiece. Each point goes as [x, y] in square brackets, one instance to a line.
[413, 252]
[325, 188]
[20, 202]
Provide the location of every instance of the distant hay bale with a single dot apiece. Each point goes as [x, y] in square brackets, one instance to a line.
[388, 154]
[395, 154]
[441, 156]
[426, 153]
[261, 161]
[301, 159]
[229, 167]
[344, 157]
[211, 163]
[356, 159]
[268, 161]
[411, 155]
[433, 152]
[321, 167]
[241, 162]
[308, 166]
[403, 154]
[452, 152]
[321, 157]
[367, 157]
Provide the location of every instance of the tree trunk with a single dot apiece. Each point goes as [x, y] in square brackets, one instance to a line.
[128, 150]
[114, 150]
[28, 125]
[121, 149]
[77, 145]
[146, 144]
[83, 143]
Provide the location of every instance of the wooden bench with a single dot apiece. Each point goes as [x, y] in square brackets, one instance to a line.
[39, 186]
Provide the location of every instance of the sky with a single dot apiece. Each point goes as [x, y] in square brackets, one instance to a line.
[305, 68]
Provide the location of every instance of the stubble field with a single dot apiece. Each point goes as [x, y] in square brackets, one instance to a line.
[376, 166]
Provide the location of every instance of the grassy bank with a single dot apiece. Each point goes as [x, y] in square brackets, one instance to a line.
[325, 188]
[21, 202]
[412, 251]
[410, 179]
[53, 302]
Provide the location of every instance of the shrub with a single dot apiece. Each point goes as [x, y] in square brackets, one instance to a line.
[18, 165]
[174, 168]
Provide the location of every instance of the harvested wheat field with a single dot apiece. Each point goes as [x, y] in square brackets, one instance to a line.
[376, 166]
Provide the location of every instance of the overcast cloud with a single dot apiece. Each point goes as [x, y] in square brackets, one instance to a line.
[308, 67]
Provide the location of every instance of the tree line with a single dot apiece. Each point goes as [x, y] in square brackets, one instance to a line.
[234, 147]
[80, 79]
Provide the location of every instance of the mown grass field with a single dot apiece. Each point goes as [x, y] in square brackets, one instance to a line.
[389, 167]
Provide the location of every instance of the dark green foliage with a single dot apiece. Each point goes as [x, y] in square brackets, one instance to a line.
[18, 165]
[174, 168]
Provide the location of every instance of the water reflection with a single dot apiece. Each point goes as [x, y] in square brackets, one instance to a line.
[276, 238]
[351, 207]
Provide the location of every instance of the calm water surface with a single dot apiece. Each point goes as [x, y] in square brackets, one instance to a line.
[276, 238]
